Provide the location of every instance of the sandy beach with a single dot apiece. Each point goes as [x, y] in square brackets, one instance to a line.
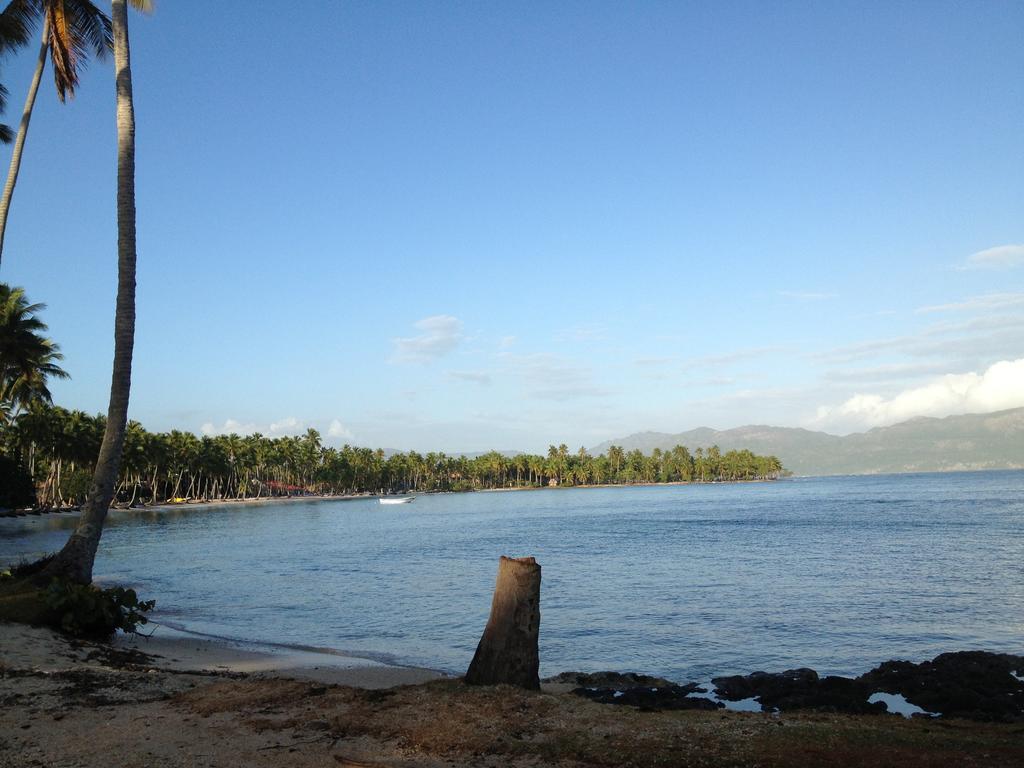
[175, 700]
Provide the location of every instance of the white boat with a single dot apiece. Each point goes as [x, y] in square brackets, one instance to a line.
[395, 499]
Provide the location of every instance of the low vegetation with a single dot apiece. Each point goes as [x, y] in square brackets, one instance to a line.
[461, 725]
[77, 610]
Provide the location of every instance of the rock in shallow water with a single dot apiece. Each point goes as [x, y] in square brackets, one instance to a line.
[975, 685]
[798, 689]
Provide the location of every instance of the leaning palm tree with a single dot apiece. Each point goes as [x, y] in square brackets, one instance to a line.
[27, 357]
[75, 561]
[72, 29]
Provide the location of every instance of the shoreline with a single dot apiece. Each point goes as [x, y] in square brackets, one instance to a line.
[182, 650]
[93, 705]
[258, 500]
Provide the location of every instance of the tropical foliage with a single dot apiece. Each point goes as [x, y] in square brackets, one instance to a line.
[71, 31]
[59, 447]
[27, 358]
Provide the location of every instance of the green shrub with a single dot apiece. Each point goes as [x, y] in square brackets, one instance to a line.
[89, 611]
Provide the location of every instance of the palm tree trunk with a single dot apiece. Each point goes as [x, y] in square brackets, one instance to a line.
[75, 561]
[19, 142]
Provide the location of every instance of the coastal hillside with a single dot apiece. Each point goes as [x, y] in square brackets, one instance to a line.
[967, 442]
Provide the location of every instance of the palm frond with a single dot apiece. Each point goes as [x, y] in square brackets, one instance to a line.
[6, 134]
[16, 23]
[62, 49]
[92, 27]
[78, 29]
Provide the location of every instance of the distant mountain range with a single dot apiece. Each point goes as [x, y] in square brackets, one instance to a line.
[972, 441]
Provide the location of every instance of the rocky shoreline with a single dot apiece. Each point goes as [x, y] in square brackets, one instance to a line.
[969, 685]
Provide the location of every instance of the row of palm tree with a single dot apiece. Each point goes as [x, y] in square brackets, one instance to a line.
[59, 446]
[71, 30]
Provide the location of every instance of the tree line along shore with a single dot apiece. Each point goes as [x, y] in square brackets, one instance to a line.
[51, 454]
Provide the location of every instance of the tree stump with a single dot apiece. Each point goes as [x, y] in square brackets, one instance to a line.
[508, 651]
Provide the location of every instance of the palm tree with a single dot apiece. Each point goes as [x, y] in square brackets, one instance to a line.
[74, 562]
[71, 30]
[27, 358]
[13, 35]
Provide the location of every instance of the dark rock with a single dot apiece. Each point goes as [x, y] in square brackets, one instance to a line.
[975, 685]
[617, 681]
[758, 684]
[652, 699]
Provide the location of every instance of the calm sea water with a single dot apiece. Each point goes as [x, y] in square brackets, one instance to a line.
[684, 581]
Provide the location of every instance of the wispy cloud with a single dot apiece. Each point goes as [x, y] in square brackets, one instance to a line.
[808, 295]
[713, 381]
[980, 335]
[1000, 257]
[582, 333]
[729, 358]
[550, 377]
[439, 335]
[477, 377]
[882, 373]
[998, 387]
[986, 302]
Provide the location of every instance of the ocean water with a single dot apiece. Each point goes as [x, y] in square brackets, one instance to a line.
[835, 573]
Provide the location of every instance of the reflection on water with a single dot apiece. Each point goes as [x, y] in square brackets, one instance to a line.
[686, 582]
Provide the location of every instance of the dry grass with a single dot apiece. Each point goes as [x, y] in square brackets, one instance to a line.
[448, 720]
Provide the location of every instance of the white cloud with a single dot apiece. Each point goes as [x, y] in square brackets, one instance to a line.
[1001, 386]
[339, 430]
[1000, 257]
[229, 427]
[440, 334]
[286, 426]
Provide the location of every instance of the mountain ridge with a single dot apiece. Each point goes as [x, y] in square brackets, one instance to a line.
[922, 444]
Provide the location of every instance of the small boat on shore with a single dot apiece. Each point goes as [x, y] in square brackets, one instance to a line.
[395, 499]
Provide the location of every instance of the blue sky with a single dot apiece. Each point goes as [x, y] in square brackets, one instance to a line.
[465, 226]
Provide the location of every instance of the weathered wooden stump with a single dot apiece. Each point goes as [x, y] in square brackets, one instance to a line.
[508, 651]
